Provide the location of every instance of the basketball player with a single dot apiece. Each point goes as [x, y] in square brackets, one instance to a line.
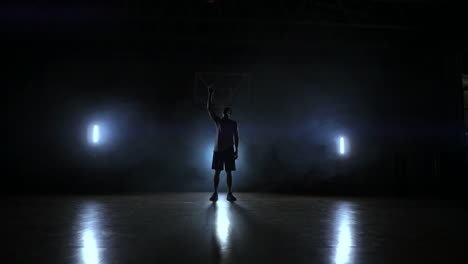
[224, 154]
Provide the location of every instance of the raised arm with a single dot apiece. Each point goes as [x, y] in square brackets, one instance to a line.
[209, 105]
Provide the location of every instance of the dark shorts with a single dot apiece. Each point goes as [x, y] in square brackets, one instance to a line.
[224, 160]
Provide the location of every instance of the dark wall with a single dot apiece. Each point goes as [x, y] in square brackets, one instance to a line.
[394, 95]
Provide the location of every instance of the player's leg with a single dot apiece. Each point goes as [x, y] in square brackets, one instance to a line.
[229, 180]
[230, 196]
[214, 197]
[230, 165]
[218, 166]
[216, 180]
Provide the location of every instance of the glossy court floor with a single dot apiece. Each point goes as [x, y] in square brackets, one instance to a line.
[258, 228]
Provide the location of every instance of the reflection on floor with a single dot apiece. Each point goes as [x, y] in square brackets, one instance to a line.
[222, 223]
[344, 235]
[89, 227]
[258, 228]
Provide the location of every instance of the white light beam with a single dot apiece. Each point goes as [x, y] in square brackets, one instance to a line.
[95, 134]
[342, 145]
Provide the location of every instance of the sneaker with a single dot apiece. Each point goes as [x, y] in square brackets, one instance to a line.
[214, 197]
[230, 197]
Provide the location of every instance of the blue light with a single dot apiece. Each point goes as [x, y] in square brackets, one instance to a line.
[208, 155]
[342, 146]
[95, 134]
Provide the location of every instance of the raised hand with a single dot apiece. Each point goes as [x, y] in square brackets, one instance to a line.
[210, 89]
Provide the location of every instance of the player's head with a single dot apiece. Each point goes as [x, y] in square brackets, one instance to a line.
[227, 112]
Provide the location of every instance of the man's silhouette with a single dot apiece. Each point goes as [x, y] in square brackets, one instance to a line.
[224, 154]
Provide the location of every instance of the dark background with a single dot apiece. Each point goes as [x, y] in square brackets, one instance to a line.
[389, 80]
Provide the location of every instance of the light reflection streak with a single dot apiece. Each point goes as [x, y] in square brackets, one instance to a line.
[344, 234]
[89, 251]
[89, 229]
[223, 225]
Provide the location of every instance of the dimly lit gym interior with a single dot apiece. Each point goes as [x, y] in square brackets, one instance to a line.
[352, 119]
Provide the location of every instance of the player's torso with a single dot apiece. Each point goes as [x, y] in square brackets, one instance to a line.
[226, 129]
